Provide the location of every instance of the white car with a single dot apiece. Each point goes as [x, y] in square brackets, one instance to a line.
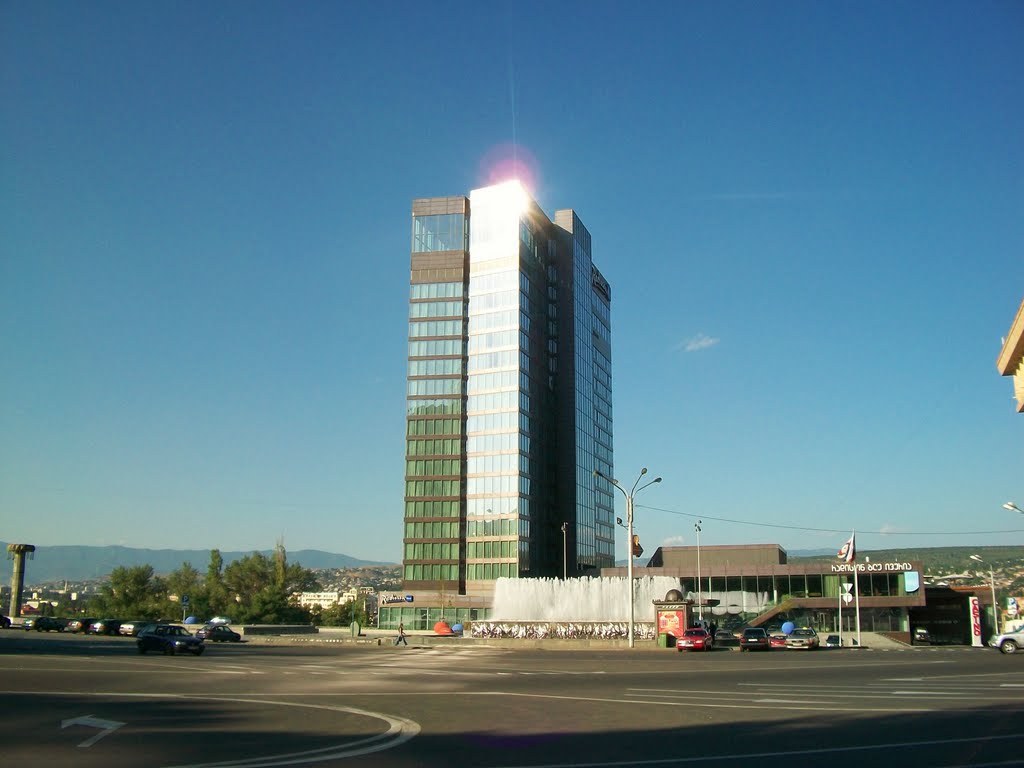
[1008, 642]
[805, 638]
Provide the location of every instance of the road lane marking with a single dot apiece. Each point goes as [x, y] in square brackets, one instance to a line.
[790, 701]
[664, 703]
[106, 727]
[399, 729]
[736, 758]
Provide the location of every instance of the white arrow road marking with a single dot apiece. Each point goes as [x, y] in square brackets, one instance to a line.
[106, 727]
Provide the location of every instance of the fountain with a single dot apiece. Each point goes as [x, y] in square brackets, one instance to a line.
[584, 608]
[597, 599]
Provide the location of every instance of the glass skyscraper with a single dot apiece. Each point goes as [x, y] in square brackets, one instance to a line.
[509, 403]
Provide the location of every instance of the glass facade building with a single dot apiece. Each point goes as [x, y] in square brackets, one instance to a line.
[509, 396]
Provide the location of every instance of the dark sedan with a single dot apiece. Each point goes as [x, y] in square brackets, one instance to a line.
[104, 627]
[169, 639]
[44, 624]
[218, 633]
[755, 639]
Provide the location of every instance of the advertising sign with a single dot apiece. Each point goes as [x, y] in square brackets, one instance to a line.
[671, 623]
[1012, 608]
[975, 617]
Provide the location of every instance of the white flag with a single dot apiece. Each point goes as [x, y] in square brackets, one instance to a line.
[847, 552]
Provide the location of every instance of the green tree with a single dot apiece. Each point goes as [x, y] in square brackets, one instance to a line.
[186, 582]
[262, 587]
[341, 615]
[214, 591]
[248, 576]
[132, 592]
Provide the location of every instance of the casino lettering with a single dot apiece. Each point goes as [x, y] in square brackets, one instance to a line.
[872, 567]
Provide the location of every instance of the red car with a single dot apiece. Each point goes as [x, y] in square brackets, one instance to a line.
[695, 639]
[777, 641]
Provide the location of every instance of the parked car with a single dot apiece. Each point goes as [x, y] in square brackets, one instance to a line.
[218, 633]
[44, 624]
[104, 627]
[133, 627]
[79, 624]
[833, 641]
[777, 641]
[169, 639]
[755, 639]
[804, 638]
[5, 622]
[1008, 642]
[696, 639]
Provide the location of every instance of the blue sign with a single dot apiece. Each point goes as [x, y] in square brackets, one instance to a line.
[408, 598]
[184, 599]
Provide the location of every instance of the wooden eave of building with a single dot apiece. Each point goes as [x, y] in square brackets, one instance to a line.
[1011, 357]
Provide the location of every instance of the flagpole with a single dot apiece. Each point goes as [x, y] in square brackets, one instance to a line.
[841, 593]
[856, 590]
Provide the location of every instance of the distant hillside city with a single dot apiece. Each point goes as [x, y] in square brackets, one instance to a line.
[79, 567]
[56, 564]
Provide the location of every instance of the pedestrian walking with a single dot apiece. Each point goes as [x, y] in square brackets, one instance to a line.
[401, 634]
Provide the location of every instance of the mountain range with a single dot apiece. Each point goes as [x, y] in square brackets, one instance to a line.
[81, 563]
[85, 563]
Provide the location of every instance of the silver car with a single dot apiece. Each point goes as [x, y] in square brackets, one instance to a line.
[805, 638]
[1008, 642]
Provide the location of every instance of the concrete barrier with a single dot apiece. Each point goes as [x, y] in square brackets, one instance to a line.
[248, 630]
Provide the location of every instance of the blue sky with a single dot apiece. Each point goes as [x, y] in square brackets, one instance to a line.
[809, 213]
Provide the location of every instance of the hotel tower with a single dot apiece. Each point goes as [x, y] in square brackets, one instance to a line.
[509, 404]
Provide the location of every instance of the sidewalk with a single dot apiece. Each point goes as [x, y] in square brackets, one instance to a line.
[427, 638]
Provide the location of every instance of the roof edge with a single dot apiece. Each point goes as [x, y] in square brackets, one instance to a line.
[1013, 347]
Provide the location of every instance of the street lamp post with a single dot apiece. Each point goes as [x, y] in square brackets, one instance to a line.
[700, 603]
[992, 583]
[629, 528]
[1012, 507]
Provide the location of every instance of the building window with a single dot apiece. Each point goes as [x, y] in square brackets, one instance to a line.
[445, 232]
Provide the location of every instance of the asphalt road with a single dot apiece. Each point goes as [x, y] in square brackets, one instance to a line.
[86, 701]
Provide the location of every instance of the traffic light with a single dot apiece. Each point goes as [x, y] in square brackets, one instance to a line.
[637, 549]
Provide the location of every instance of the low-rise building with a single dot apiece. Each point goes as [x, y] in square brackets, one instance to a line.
[322, 599]
[756, 584]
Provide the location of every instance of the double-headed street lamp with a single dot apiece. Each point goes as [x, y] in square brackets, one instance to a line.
[992, 583]
[629, 528]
